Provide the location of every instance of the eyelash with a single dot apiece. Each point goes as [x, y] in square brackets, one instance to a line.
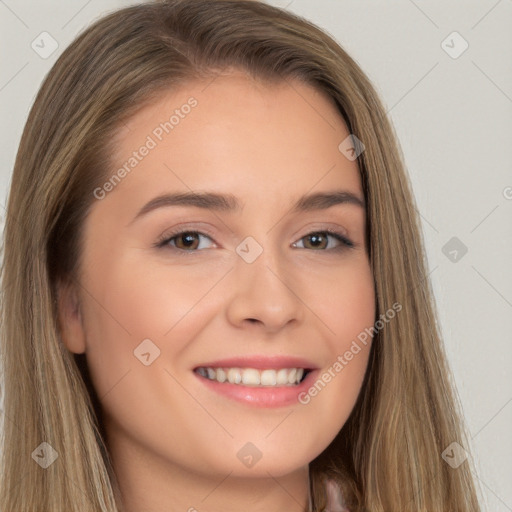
[163, 241]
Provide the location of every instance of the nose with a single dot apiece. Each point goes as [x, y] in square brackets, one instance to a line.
[263, 293]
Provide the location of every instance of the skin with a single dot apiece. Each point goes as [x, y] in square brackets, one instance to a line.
[174, 442]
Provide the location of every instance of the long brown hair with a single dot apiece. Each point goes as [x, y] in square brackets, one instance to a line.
[388, 455]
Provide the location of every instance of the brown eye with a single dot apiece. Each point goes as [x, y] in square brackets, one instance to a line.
[185, 241]
[320, 240]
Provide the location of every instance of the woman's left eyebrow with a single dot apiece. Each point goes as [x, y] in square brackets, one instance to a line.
[324, 200]
[229, 203]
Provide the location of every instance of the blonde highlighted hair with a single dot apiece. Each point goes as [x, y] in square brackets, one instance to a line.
[388, 455]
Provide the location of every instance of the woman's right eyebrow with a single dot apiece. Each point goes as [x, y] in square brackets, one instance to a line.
[229, 203]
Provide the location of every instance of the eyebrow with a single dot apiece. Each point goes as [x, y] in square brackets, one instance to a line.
[229, 203]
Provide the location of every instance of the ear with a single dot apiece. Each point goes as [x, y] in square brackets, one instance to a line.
[70, 318]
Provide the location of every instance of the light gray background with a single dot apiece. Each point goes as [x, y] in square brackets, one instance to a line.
[453, 120]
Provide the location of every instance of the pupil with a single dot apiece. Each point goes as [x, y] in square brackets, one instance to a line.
[188, 238]
[316, 239]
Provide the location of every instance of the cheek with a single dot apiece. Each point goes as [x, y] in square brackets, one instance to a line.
[346, 303]
[349, 313]
[137, 301]
[353, 317]
[154, 298]
[129, 302]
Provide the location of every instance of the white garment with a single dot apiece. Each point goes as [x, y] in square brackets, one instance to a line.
[334, 498]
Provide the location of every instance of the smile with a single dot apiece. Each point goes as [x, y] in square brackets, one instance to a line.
[254, 377]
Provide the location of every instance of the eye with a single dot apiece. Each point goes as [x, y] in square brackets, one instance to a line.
[320, 240]
[190, 241]
[184, 240]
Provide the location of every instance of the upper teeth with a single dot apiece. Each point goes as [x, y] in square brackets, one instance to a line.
[253, 376]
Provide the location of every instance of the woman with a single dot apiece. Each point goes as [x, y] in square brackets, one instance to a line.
[214, 281]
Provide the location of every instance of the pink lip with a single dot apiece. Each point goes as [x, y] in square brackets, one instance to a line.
[260, 363]
[267, 397]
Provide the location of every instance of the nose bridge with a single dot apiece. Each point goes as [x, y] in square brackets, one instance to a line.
[263, 290]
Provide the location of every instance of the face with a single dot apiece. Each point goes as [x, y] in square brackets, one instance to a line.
[258, 276]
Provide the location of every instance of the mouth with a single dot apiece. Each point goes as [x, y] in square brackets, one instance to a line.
[255, 377]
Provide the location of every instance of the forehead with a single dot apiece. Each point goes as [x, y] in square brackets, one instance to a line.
[232, 132]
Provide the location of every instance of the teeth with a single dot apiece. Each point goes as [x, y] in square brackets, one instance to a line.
[234, 376]
[253, 376]
[268, 378]
[282, 376]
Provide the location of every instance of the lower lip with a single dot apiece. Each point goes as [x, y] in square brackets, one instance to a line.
[261, 396]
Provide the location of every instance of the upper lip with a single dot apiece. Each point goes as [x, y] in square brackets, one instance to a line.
[260, 362]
